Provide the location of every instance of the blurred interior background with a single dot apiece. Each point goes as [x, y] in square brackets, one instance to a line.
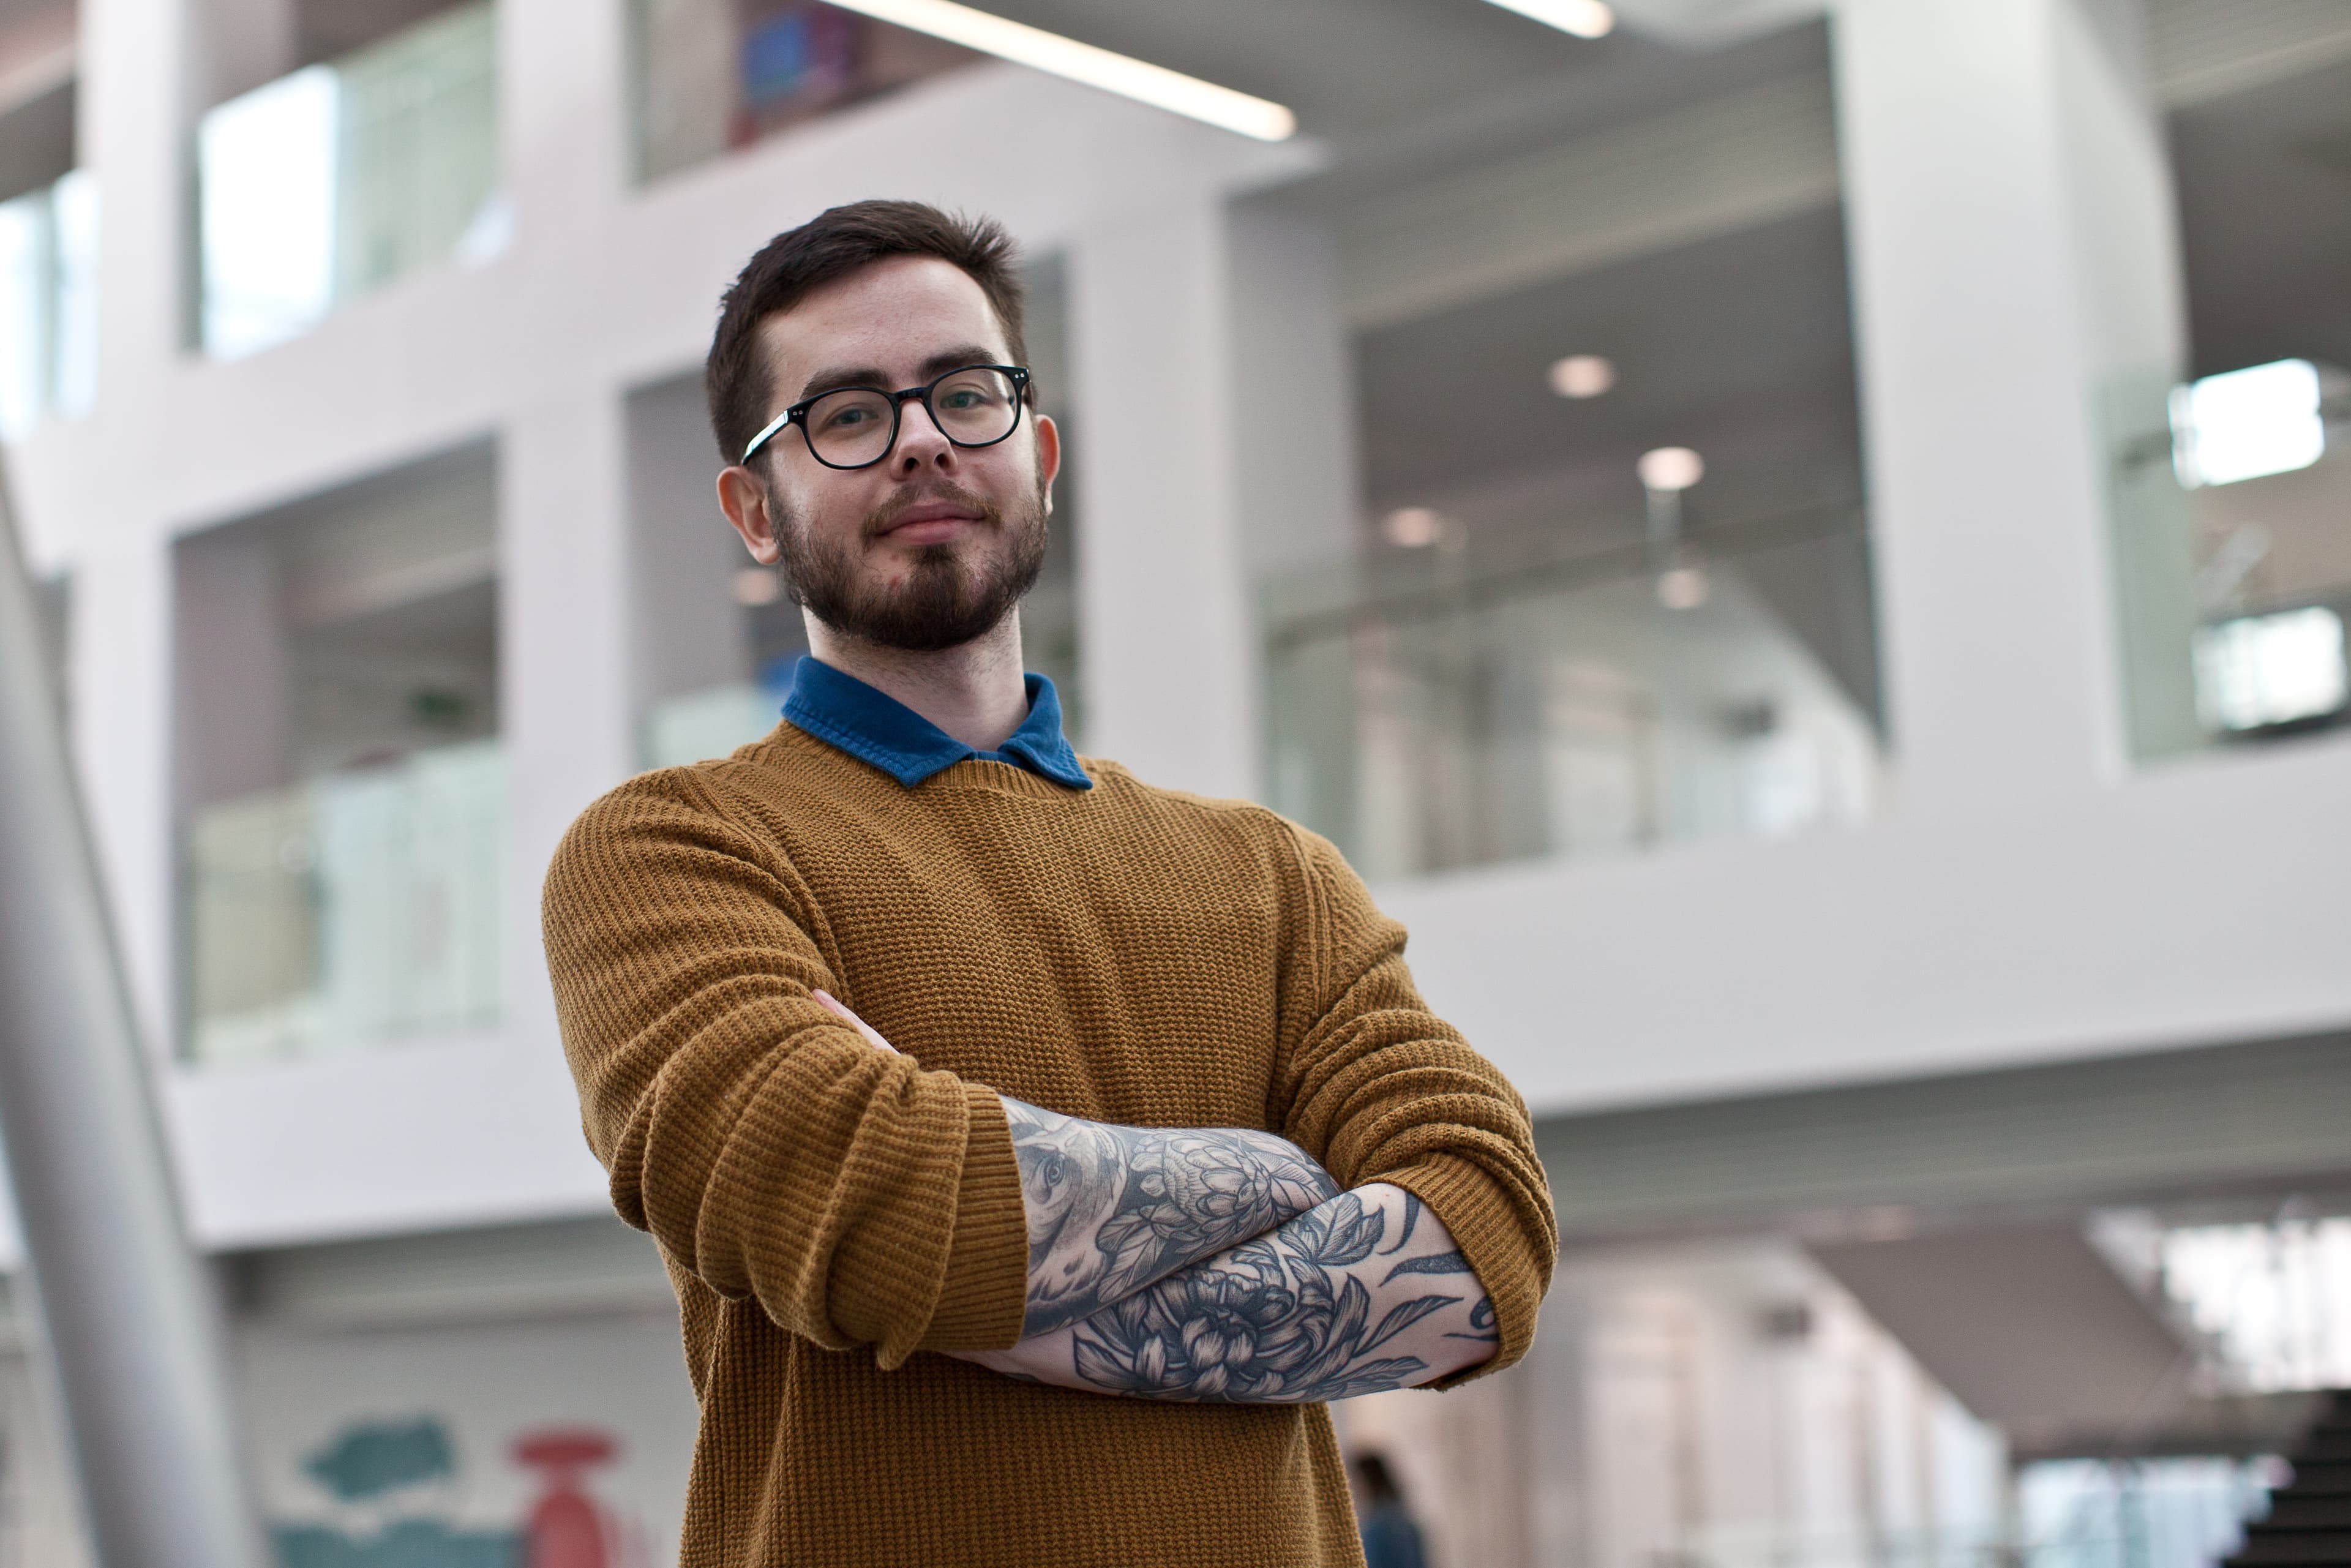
[1803, 545]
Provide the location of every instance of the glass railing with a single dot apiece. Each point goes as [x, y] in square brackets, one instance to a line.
[48, 303]
[708, 723]
[344, 177]
[2231, 560]
[349, 911]
[1433, 709]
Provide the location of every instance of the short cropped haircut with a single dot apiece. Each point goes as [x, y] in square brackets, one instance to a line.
[835, 244]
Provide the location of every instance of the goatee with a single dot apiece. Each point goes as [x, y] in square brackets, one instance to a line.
[953, 592]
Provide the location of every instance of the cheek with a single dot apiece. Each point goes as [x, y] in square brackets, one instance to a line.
[821, 514]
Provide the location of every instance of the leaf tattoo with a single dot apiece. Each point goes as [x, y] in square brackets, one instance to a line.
[1434, 1263]
[1411, 1219]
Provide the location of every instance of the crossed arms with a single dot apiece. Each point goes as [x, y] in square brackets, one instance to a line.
[1222, 1263]
[858, 1198]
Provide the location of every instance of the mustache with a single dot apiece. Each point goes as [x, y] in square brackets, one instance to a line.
[883, 518]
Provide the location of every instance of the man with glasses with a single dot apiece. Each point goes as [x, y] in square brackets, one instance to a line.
[1149, 1147]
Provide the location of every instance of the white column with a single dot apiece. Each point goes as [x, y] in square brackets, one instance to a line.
[562, 83]
[136, 106]
[2016, 269]
[565, 661]
[1167, 624]
[563, 654]
[119, 654]
[1294, 440]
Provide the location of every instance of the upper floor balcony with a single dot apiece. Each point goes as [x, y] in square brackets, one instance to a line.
[347, 175]
[342, 784]
[1432, 708]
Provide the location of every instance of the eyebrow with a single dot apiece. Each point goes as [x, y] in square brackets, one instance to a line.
[936, 365]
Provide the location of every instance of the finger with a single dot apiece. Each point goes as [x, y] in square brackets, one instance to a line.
[833, 1004]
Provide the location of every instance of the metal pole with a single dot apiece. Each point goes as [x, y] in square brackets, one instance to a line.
[128, 1315]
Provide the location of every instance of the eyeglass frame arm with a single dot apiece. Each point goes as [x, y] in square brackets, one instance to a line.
[798, 412]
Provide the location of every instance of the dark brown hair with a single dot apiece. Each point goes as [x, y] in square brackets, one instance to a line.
[832, 245]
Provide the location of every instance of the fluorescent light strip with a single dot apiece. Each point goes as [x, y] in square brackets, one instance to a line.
[1051, 52]
[1584, 18]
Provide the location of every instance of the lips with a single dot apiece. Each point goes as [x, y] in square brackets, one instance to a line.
[931, 512]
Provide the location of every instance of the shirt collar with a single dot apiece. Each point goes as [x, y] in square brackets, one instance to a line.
[876, 727]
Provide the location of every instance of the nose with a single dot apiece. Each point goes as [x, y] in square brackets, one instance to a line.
[921, 442]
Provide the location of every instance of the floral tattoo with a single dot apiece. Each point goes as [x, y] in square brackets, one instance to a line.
[1113, 1210]
[1285, 1317]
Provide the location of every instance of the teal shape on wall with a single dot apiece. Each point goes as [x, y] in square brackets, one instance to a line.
[409, 1543]
[380, 1457]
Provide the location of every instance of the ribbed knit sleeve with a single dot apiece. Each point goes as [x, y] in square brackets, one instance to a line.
[1380, 1089]
[860, 1200]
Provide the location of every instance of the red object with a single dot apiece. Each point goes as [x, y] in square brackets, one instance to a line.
[568, 1530]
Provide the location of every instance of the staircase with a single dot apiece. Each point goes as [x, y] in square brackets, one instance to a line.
[2309, 1524]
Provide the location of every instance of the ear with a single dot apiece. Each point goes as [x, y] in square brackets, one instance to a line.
[1049, 457]
[742, 496]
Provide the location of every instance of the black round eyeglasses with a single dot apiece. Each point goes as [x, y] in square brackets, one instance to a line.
[855, 427]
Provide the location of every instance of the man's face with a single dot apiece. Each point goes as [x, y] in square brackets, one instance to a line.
[934, 544]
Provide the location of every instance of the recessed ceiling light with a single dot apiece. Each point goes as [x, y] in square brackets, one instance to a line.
[1582, 375]
[1671, 468]
[1584, 18]
[755, 586]
[1120, 74]
[1413, 528]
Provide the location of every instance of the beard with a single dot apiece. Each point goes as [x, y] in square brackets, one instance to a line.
[953, 592]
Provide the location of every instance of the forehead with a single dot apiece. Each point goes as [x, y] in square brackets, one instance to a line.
[889, 316]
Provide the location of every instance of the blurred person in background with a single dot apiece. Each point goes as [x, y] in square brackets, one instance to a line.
[1140, 1144]
[1391, 1535]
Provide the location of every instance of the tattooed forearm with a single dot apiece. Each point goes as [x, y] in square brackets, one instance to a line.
[1316, 1310]
[1113, 1210]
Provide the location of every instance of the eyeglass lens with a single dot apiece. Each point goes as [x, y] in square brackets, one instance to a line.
[854, 426]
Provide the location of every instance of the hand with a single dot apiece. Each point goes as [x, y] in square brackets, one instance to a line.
[832, 1003]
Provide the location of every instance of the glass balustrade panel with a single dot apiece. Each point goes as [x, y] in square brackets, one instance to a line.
[1437, 713]
[2229, 497]
[711, 722]
[48, 326]
[351, 912]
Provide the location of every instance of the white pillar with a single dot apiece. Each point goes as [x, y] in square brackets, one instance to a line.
[565, 663]
[563, 656]
[1167, 623]
[120, 652]
[136, 106]
[1294, 440]
[2016, 271]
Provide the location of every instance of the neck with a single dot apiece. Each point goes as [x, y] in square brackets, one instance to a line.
[974, 691]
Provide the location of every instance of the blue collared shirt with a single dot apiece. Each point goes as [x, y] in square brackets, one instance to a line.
[876, 727]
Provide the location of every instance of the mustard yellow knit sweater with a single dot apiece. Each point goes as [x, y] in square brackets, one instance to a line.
[833, 1216]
